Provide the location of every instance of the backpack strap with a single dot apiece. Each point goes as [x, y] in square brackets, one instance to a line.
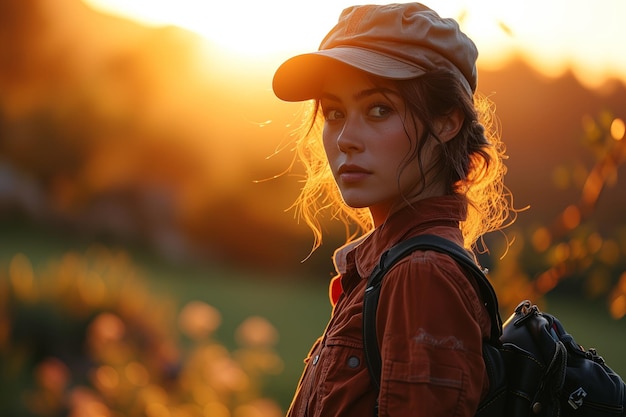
[390, 258]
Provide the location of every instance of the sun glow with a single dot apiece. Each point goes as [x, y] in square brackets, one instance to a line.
[248, 27]
[554, 34]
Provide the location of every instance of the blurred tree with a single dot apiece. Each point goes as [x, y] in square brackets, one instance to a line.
[574, 253]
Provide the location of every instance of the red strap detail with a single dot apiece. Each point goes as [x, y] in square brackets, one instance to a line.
[335, 289]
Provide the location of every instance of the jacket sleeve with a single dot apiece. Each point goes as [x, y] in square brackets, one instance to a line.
[430, 334]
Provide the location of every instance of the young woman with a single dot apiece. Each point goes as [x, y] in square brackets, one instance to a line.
[405, 150]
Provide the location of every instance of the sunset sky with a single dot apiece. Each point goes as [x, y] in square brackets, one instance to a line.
[554, 34]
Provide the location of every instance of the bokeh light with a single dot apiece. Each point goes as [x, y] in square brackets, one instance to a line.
[618, 129]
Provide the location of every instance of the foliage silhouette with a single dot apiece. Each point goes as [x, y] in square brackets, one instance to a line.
[573, 247]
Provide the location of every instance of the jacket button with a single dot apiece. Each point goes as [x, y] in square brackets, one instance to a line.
[316, 359]
[353, 362]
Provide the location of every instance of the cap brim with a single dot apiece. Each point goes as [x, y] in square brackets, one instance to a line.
[301, 77]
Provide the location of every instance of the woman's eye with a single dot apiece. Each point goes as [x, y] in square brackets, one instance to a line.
[379, 111]
[333, 114]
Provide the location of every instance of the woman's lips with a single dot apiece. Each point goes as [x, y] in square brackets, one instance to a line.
[352, 173]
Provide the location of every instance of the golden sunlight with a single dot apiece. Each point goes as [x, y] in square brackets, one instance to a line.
[554, 35]
[248, 27]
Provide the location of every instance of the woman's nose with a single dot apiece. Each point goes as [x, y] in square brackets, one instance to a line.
[348, 138]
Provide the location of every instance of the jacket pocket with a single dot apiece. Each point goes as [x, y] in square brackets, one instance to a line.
[342, 378]
[343, 360]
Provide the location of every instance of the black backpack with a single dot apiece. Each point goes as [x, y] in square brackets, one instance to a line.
[535, 367]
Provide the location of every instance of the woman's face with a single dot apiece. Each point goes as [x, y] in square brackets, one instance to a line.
[367, 138]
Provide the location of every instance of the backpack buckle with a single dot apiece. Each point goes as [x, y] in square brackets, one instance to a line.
[525, 309]
[576, 398]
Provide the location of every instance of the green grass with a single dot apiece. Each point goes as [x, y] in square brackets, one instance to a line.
[298, 308]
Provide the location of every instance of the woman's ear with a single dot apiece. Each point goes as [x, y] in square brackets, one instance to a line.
[448, 126]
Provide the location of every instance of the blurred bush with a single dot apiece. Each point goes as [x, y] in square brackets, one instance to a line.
[575, 252]
[84, 337]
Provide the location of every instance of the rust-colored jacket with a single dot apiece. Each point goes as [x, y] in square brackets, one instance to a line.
[430, 326]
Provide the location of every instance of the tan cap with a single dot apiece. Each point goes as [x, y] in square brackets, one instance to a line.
[394, 41]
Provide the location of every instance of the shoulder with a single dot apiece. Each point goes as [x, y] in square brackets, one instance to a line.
[422, 266]
[430, 277]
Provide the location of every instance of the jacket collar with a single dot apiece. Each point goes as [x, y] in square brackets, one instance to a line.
[437, 215]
